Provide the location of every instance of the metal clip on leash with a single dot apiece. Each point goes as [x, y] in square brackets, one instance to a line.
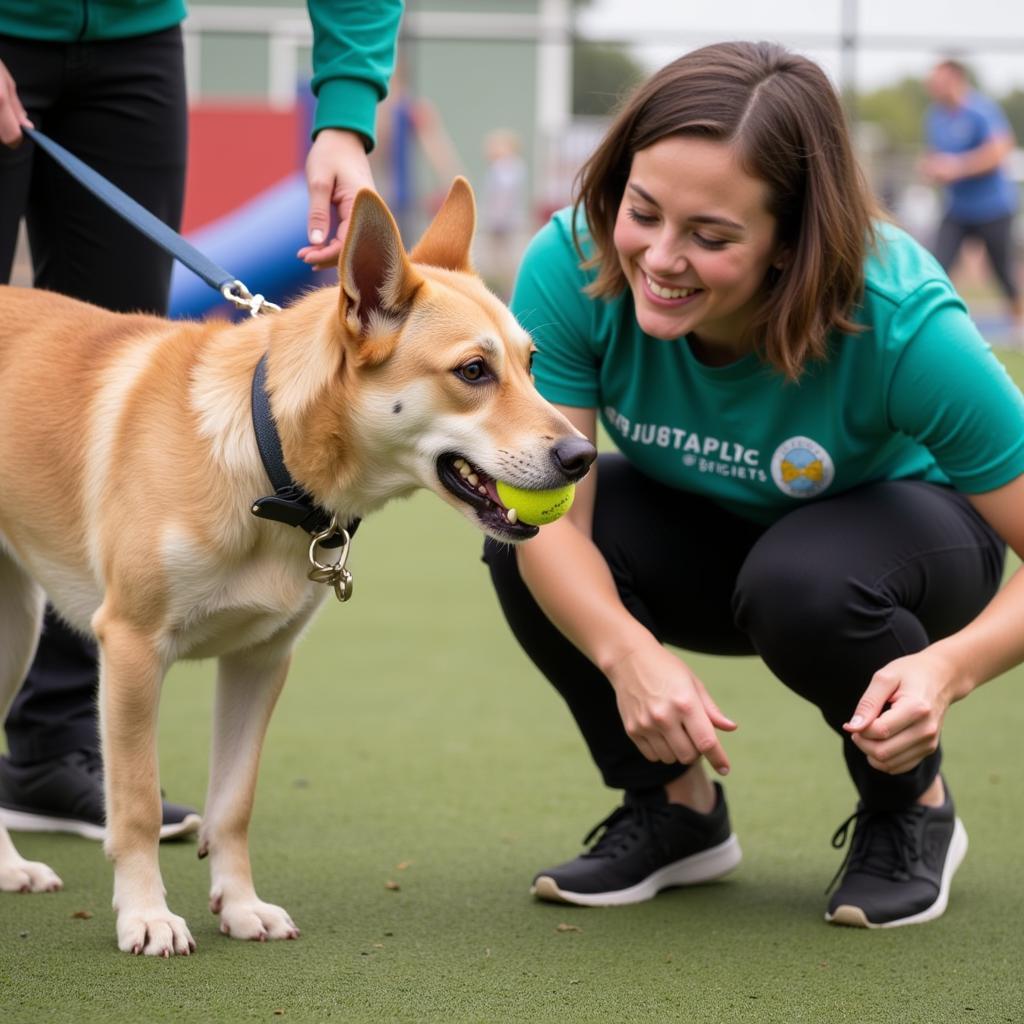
[334, 574]
[239, 296]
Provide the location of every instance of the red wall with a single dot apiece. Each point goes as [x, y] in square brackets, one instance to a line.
[235, 152]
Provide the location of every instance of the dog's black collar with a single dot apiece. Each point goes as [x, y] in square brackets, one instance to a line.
[289, 503]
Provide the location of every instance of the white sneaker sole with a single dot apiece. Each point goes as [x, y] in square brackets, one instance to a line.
[705, 866]
[19, 821]
[856, 918]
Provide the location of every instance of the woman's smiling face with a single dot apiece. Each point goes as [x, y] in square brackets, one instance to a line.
[695, 240]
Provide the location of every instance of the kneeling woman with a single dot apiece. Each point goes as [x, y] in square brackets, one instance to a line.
[820, 461]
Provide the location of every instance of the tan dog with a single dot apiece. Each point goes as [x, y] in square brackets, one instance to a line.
[128, 469]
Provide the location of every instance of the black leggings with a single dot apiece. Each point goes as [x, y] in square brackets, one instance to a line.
[120, 106]
[826, 596]
[995, 235]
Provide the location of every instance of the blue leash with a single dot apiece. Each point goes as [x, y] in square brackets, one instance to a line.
[153, 228]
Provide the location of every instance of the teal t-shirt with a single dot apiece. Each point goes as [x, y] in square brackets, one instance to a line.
[916, 395]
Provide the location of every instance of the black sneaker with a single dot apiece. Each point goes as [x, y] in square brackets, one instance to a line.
[899, 866]
[646, 845]
[66, 795]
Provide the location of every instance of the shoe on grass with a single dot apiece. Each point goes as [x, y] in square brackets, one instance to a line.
[644, 846]
[66, 795]
[898, 867]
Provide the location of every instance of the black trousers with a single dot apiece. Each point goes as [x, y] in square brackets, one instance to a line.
[826, 596]
[995, 235]
[120, 106]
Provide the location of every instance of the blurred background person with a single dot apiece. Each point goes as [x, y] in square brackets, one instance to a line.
[969, 140]
[503, 208]
[404, 122]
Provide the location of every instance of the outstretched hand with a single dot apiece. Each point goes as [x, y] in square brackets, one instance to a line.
[940, 168]
[666, 710]
[12, 114]
[898, 720]
[336, 169]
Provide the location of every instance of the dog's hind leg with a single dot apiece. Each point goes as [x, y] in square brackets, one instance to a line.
[21, 614]
[248, 685]
[131, 673]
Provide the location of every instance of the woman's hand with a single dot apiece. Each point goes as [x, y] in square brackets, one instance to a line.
[336, 169]
[666, 710]
[898, 720]
[12, 114]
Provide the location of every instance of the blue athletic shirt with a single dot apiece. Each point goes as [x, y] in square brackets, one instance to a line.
[917, 395]
[982, 197]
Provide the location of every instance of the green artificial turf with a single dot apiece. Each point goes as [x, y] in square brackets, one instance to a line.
[418, 771]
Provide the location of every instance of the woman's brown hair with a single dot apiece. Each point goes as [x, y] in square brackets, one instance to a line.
[784, 119]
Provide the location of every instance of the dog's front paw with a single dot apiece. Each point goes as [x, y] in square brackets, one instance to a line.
[254, 920]
[20, 875]
[154, 933]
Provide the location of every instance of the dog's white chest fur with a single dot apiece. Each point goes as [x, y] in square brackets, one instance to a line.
[218, 608]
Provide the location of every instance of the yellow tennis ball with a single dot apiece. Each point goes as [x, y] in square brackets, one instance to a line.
[537, 507]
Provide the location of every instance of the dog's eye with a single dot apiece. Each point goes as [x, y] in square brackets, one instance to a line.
[474, 371]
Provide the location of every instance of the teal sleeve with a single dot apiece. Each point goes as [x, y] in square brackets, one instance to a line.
[950, 393]
[549, 302]
[353, 59]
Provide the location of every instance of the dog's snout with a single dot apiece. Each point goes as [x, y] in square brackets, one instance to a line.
[574, 456]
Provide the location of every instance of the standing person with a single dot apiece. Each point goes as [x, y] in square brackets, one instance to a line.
[107, 81]
[969, 140]
[819, 462]
[406, 122]
[503, 208]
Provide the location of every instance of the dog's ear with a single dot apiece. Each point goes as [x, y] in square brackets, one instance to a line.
[375, 276]
[447, 242]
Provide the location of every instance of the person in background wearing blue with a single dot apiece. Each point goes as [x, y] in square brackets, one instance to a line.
[106, 80]
[820, 461]
[969, 140]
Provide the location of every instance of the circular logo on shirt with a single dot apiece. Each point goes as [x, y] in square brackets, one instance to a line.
[801, 468]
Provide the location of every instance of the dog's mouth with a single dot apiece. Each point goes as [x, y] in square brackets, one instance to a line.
[472, 485]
